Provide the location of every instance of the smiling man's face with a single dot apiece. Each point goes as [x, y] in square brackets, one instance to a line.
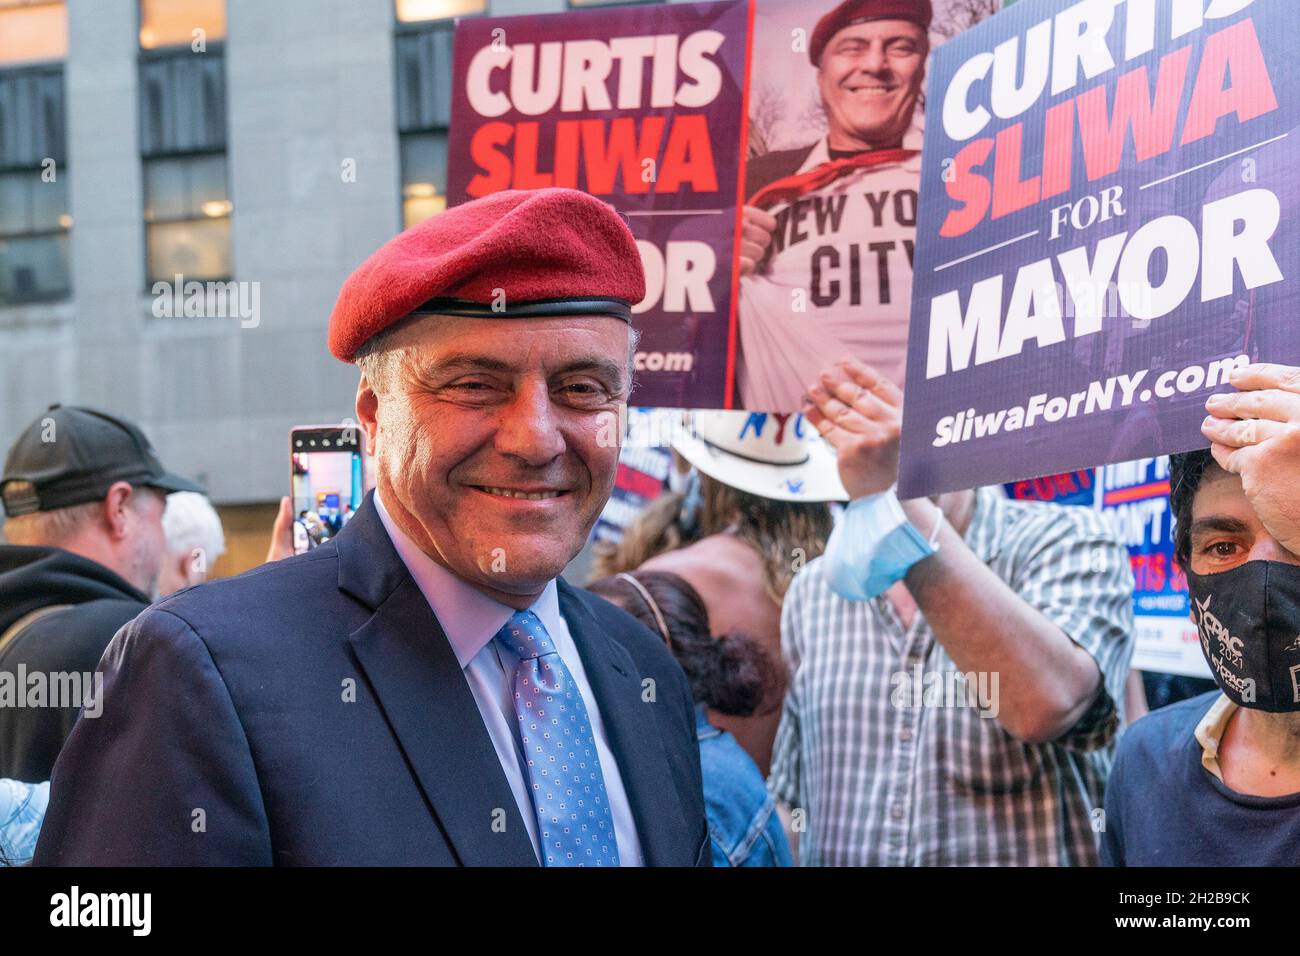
[870, 78]
[492, 440]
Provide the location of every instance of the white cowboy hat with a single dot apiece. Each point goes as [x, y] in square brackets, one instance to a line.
[769, 455]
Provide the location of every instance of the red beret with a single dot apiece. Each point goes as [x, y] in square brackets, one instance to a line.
[536, 252]
[860, 11]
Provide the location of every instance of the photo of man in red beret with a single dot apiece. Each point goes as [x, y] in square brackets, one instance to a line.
[829, 226]
[423, 688]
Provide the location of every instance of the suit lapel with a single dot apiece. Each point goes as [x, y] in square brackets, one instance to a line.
[423, 693]
[633, 730]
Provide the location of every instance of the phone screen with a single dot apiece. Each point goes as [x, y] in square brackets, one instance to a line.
[328, 481]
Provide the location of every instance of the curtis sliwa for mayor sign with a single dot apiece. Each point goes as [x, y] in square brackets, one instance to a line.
[642, 108]
[693, 118]
[1107, 226]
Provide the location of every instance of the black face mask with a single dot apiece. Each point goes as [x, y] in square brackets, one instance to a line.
[1249, 622]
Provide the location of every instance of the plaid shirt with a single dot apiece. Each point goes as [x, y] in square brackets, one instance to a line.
[884, 782]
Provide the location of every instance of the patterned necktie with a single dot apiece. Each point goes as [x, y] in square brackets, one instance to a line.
[575, 825]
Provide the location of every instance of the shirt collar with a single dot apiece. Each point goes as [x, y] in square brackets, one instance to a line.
[703, 729]
[820, 153]
[1209, 732]
[469, 618]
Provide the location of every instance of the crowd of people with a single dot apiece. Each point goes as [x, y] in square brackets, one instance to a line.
[779, 661]
[1017, 615]
[812, 646]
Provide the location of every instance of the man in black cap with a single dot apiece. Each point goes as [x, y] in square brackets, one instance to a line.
[83, 494]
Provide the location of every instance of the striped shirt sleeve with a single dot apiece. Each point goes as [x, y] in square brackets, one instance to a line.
[1077, 573]
[783, 780]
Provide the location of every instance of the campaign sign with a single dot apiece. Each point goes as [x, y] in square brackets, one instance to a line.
[655, 110]
[641, 107]
[1136, 495]
[642, 470]
[833, 171]
[1107, 227]
[1072, 488]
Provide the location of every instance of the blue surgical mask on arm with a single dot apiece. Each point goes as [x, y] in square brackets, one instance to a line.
[873, 546]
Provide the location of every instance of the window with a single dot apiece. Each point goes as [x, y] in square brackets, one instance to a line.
[187, 213]
[165, 23]
[34, 224]
[187, 204]
[424, 176]
[423, 115]
[34, 216]
[32, 31]
[414, 11]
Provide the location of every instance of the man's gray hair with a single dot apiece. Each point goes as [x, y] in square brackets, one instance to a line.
[53, 528]
[378, 360]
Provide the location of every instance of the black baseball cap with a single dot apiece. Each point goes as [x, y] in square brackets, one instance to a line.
[71, 455]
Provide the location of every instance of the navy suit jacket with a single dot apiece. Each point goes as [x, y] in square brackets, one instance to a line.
[312, 712]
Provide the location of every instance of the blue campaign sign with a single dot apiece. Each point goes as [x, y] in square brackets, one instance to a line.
[643, 467]
[1136, 495]
[1109, 223]
[1069, 488]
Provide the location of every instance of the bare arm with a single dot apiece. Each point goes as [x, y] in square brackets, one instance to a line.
[1046, 681]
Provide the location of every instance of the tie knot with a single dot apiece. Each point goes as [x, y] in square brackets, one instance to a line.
[526, 635]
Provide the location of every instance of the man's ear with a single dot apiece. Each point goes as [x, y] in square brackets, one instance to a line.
[367, 412]
[117, 501]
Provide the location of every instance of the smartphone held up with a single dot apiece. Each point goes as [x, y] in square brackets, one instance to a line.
[328, 478]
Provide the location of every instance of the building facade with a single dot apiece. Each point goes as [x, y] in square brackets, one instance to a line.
[262, 148]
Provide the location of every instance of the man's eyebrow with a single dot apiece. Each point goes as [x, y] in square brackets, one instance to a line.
[471, 362]
[1225, 523]
[596, 364]
[467, 362]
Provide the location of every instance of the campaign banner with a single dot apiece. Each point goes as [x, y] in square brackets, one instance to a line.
[1136, 496]
[643, 465]
[833, 169]
[1107, 227]
[700, 123]
[641, 107]
[1070, 488]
